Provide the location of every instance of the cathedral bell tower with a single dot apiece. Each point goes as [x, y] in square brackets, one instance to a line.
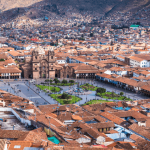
[51, 63]
[35, 64]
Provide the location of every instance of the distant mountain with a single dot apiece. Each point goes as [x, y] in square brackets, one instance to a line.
[9, 4]
[33, 9]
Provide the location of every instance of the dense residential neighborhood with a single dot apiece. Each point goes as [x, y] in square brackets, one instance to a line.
[74, 80]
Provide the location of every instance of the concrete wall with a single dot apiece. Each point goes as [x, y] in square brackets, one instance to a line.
[22, 120]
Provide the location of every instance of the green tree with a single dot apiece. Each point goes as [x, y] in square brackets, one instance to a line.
[2, 59]
[56, 80]
[121, 93]
[71, 81]
[86, 84]
[65, 96]
[50, 81]
[100, 90]
[53, 89]
[64, 81]
[46, 80]
[113, 94]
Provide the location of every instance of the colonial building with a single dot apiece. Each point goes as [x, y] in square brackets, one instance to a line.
[75, 70]
[10, 72]
[44, 65]
[40, 65]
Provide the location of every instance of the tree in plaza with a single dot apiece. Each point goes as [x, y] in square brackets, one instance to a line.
[86, 84]
[100, 90]
[46, 80]
[113, 94]
[65, 96]
[56, 80]
[50, 81]
[71, 81]
[121, 93]
[53, 89]
[64, 81]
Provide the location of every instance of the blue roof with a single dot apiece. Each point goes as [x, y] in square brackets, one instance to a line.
[127, 108]
[119, 108]
[53, 139]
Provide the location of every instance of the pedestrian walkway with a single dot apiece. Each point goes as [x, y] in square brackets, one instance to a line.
[20, 88]
[42, 94]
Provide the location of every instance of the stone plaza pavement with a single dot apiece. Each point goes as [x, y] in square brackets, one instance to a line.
[29, 91]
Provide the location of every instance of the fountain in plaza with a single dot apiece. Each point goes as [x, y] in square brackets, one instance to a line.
[78, 90]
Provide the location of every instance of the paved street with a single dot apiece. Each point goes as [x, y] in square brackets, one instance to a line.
[30, 91]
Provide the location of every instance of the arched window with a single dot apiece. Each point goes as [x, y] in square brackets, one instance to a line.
[35, 57]
[51, 57]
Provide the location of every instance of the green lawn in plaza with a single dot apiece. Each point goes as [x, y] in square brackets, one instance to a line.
[53, 89]
[96, 102]
[71, 100]
[112, 95]
[88, 87]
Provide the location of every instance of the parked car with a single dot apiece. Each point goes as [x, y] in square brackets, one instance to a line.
[15, 79]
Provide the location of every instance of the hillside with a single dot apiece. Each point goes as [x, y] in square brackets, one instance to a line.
[34, 9]
[9, 4]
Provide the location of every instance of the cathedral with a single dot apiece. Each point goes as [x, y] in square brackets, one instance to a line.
[40, 65]
[43, 64]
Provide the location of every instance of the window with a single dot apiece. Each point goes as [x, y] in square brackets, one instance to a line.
[51, 57]
[43, 67]
[51, 68]
[35, 57]
[100, 130]
[35, 68]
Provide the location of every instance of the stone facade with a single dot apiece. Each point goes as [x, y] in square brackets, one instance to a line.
[40, 65]
[67, 72]
[45, 66]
